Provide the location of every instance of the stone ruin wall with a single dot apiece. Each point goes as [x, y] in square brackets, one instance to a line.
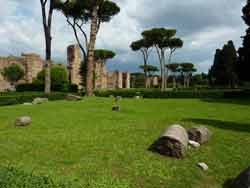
[74, 58]
[103, 78]
[32, 64]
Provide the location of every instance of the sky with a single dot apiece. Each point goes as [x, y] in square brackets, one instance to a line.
[203, 25]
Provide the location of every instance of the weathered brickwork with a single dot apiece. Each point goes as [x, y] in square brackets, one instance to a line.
[103, 78]
[74, 64]
[32, 64]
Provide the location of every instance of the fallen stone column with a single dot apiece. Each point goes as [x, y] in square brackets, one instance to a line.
[173, 142]
[199, 134]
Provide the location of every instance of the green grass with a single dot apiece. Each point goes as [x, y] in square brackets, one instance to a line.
[84, 142]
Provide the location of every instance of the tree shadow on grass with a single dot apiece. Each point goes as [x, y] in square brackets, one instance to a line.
[244, 102]
[227, 125]
[229, 183]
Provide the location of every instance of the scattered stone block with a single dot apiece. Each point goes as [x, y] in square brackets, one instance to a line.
[243, 180]
[118, 98]
[116, 108]
[71, 97]
[199, 134]
[40, 100]
[23, 121]
[203, 166]
[173, 142]
[194, 144]
[27, 104]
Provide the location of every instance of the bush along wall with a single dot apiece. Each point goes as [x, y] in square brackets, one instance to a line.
[20, 98]
[64, 87]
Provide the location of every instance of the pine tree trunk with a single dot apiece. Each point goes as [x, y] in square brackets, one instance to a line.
[163, 71]
[47, 82]
[48, 39]
[91, 50]
[174, 82]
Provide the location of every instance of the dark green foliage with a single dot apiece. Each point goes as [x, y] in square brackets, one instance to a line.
[22, 97]
[244, 52]
[11, 177]
[223, 72]
[150, 69]
[64, 87]
[143, 46]
[137, 80]
[59, 76]
[156, 93]
[173, 67]
[102, 54]
[163, 39]
[200, 79]
[13, 73]
[159, 36]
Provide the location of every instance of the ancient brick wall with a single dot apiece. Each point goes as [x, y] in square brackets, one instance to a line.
[74, 64]
[32, 64]
[102, 78]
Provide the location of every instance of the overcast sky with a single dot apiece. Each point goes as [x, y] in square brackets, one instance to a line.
[203, 25]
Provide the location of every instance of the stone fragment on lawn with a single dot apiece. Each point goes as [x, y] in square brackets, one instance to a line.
[243, 180]
[71, 97]
[40, 100]
[137, 97]
[27, 104]
[194, 144]
[118, 98]
[203, 166]
[199, 134]
[23, 121]
[173, 142]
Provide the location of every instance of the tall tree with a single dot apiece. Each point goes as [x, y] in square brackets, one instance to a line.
[173, 67]
[143, 46]
[82, 12]
[150, 70]
[100, 11]
[224, 72]
[244, 52]
[160, 38]
[187, 70]
[47, 14]
[174, 44]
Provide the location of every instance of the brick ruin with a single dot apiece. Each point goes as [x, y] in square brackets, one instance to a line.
[103, 78]
[32, 64]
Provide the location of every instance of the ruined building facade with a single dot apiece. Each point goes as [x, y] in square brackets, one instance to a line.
[102, 78]
[32, 64]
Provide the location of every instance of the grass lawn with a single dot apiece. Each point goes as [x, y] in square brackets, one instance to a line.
[86, 143]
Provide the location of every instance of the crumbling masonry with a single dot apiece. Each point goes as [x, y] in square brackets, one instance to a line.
[32, 64]
[102, 78]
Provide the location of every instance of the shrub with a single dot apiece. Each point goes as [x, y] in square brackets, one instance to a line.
[59, 76]
[13, 73]
[19, 98]
[64, 87]
[156, 93]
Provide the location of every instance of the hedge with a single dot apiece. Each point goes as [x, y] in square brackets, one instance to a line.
[40, 87]
[156, 93]
[20, 98]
